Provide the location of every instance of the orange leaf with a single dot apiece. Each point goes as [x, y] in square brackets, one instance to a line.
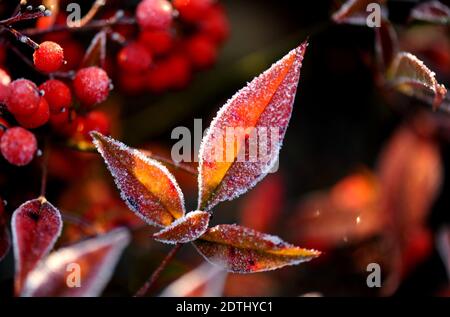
[263, 109]
[355, 11]
[243, 250]
[146, 186]
[410, 76]
[185, 229]
[35, 227]
[94, 259]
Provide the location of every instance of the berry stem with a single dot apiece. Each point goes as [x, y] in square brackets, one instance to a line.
[23, 16]
[21, 37]
[146, 287]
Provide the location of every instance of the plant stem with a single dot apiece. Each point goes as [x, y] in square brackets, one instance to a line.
[145, 288]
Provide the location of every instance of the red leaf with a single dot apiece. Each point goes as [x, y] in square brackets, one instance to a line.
[386, 44]
[355, 11]
[205, 281]
[185, 229]
[35, 227]
[410, 76]
[243, 250]
[146, 186]
[5, 239]
[264, 105]
[431, 11]
[95, 260]
[96, 52]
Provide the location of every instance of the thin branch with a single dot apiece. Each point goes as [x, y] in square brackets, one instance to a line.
[146, 287]
[23, 16]
[90, 15]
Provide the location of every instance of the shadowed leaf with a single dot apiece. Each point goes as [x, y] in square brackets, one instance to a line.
[256, 117]
[96, 52]
[207, 280]
[355, 11]
[243, 250]
[94, 259]
[431, 11]
[410, 76]
[386, 44]
[185, 229]
[35, 227]
[146, 186]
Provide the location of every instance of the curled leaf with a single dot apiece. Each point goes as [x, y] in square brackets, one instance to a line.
[205, 281]
[36, 225]
[356, 11]
[146, 186]
[410, 76]
[253, 120]
[94, 260]
[185, 229]
[243, 250]
[431, 11]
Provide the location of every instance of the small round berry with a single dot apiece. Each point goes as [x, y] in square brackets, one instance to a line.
[157, 42]
[57, 94]
[73, 54]
[179, 66]
[37, 119]
[23, 98]
[4, 125]
[154, 14]
[215, 25]
[201, 51]
[91, 85]
[158, 79]
[18, 146]
[5, 80]
[134, 58]
[49, 57]
[97, 121]
[192, 10]
[132, 83]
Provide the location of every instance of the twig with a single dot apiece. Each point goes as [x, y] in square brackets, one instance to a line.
[90, 15]
[145, 288]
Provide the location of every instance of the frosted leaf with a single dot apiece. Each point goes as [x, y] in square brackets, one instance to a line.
[95, 260]
[35, 226]
[96, 52]
[243, 250]
[410, 76]
[355, 11]
[147, 187]
[443, 246]
[5, 239]
[207, 280]
[431, 11]
[261, 111]
[185, 229]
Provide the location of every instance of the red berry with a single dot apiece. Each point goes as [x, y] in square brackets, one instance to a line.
[97, 121]
[73, 53]
[154, 14]
[180, 69]
[201, 51]
[4, 125]
[23, 97]
[91, 85]
[49, 57]
[59, 120]
[157, 42]
[37, 119]
[5, 80]
[57, 94]
[134, 58]
[18, 146]
[158, 78]
[215, 25]
[132, 83]
[192, 10]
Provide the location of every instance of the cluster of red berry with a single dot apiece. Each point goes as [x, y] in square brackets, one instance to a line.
[33, 106]
[174, 39]
[161, 49]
